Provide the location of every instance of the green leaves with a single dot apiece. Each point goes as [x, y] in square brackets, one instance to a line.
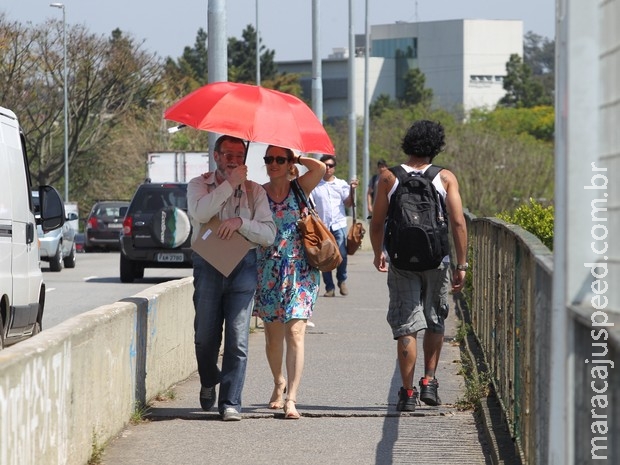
[535, 218]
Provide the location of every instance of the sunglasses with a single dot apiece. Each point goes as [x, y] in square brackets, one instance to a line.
[279, 160]
[329, 165]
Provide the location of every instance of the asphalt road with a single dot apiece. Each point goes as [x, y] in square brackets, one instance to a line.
[94, 282]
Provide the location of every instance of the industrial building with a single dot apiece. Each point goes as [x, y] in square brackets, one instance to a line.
[463, 60]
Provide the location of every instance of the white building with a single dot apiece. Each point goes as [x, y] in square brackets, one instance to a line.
[464, 62]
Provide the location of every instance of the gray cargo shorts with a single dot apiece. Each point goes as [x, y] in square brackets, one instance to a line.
[418, 300]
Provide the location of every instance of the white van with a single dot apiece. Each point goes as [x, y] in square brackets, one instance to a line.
[22, 291]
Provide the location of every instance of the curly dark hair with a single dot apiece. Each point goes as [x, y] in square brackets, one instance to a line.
[424, 139]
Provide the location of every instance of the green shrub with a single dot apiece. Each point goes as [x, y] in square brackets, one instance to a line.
[535, 218]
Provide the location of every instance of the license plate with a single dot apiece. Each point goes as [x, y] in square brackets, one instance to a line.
[115, 226]
[170, 257]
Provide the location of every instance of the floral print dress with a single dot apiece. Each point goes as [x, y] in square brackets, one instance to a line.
[287, 285]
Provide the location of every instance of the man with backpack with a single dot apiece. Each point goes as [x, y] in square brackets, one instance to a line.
[410, 218]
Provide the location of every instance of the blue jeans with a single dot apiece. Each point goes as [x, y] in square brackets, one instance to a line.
[223, 303]
[341, 272]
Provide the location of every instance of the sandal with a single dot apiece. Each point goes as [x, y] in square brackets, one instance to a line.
[276, 401]
[290, 413]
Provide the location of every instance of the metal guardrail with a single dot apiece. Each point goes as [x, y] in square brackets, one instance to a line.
[512, 274]
[511, 313]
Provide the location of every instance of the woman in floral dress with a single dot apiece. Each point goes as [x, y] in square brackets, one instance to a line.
[287, 285]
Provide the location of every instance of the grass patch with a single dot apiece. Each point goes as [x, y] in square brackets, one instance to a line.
[139, 413]
[96, 453]
[477, 383]
[476, 386]
[462, 331]
[168, 394]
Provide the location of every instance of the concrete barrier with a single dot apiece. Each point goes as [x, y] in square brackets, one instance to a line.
[73, 387]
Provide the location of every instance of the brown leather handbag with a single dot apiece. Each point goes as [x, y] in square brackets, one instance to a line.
[356, 233]
[321, 248]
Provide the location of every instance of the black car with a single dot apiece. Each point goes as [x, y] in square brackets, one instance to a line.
[156, 230]
[104, 225]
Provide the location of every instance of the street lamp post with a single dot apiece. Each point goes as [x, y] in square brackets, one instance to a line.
[65, 109]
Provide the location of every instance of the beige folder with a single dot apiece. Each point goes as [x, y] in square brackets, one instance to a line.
[222, 254]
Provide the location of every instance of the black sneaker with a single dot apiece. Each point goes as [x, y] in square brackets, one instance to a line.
[207, 397]
[428, 391]
[407, 399]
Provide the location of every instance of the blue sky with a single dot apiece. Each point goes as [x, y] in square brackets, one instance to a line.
[284, 25]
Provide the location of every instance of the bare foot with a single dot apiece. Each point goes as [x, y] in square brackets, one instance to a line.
[277, 397]
[290, 410]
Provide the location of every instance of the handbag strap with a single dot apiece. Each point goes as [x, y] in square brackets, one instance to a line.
[352, 194]
[300, 195]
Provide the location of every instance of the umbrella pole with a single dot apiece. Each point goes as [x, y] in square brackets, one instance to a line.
[238, 192]
[245, 155]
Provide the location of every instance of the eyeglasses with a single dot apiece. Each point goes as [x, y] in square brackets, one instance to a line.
[279, 160]
[329, 165]
[231, 156]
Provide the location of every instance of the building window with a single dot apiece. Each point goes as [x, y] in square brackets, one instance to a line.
[485, 80]
[395, 48]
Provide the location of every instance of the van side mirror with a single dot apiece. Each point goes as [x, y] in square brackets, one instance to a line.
[52, 209]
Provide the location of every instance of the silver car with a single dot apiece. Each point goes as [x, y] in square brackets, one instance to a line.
[58, 246]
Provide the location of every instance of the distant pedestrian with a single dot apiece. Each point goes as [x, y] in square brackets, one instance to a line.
[372, 185]
[225, 303]
[419, 299]
[332, 196]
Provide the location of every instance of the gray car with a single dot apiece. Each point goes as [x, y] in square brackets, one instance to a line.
[104, 225]
[58, 246]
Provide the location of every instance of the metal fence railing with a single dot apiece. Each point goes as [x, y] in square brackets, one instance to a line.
[511, 317]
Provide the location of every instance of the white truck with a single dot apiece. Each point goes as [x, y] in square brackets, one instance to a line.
[22, 291]
[183, 166]
[176, 166]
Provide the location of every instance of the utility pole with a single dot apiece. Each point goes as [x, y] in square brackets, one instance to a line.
[66, 99]
[352, 116]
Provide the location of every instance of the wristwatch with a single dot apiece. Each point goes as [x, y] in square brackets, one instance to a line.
[464, 267]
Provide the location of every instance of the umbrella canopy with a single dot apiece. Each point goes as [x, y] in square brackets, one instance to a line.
[253, 113]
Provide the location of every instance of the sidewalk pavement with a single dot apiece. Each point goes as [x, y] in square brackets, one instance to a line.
[347, 400]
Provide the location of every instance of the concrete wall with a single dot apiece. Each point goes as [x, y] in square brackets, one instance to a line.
[77, 384]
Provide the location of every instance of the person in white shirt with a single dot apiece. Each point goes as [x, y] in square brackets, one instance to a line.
[332, 196]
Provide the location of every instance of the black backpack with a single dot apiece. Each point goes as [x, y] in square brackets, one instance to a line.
[416, 231]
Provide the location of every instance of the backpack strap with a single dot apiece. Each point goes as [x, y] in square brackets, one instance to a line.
[430, 174]
[399, 172]
[432, 171]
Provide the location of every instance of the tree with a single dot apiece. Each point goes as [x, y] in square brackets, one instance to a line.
[108, 80]
[242, 58]
[380, 105]
[521, 89]
[190, 71]
[415, 90]
[538, 122]
[539, 55]
[197, 58]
